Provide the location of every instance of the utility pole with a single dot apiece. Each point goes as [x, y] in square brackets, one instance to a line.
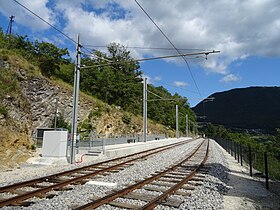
[187, 126]
[9, 29]
[145, 109]
[75, 101]
[56, 112]
[177, 126]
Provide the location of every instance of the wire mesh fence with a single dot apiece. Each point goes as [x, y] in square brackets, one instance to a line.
[261, 162]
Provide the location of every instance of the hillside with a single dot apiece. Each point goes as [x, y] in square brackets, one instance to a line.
[34, 75]
[28, 102]
[245, 108]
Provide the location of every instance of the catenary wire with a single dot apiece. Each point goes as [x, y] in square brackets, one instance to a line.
[68, 37]
[162, 83]
[147, 48]
[170, 43]
[55, 28]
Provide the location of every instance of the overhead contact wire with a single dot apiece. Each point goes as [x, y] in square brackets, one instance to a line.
[170, 43]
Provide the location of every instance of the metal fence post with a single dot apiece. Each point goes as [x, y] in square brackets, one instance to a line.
[266, 170]
[235, 150]
[241, 158]
[238, 152]
[250, 160]
[231, 148]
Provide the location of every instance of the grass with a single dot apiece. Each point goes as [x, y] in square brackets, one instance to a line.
[3, 110]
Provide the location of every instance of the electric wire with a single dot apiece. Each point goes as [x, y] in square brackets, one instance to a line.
[162, 83]
[55, 28]
[95, 56]
[170, 43]
[68, 37]
[148, 48]
[154, 94]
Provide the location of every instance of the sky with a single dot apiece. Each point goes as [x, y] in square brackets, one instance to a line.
[246, 32]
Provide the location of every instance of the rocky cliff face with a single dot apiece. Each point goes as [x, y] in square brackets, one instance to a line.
[42, 94]
[32, 104]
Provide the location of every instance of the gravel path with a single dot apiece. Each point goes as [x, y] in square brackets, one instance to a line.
[221, 189]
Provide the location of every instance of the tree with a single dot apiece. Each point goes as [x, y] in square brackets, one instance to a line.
[49, 57]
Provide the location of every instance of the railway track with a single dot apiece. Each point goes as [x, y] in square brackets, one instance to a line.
[19, 193]
[170, 181]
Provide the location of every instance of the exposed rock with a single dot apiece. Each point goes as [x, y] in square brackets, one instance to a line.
[33, 106]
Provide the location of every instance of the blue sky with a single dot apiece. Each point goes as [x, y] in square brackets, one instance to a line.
[246, 32]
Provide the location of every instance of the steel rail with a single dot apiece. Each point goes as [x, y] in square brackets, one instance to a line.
[43, 190]
[153, 203]
[106, 199]
[64, 173]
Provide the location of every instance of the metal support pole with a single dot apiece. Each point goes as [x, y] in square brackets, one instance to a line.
[9, 30]
[250, 161]
[187, 126]
[56, 112]
[266, 170]
[75, 101]
[241, 155]
[228, 147]
[177, 129]
[238, 151]
[234, 150]
[145, 110]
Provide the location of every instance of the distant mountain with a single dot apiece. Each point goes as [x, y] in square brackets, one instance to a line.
[245, 108]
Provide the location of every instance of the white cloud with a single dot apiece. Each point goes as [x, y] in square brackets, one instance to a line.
[230, 78]
[237, 28]
[158, 78]
[25, 18]
[149, 79]
[180, 84]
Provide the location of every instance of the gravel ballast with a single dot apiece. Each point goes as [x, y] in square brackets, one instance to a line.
[209, 195]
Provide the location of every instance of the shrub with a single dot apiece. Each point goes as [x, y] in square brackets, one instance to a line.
[126, 118]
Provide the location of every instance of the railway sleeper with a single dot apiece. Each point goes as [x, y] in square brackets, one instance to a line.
[174, 176]
[166, 184]
[65, 188]
[57, 180]
[115, 203]
[198, 175]
[172, 202]
[178, 173]
[195, 183]
[197, 179]
[169, 180]
[178, 192]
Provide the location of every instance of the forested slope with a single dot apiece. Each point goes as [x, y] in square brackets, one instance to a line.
[246, 108]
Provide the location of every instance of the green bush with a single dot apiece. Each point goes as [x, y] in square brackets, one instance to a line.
[61, 123]
[3, 111]
[95, 113]
[126, 118]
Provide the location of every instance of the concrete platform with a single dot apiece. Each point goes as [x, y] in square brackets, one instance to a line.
[126, 149]
[109, 151]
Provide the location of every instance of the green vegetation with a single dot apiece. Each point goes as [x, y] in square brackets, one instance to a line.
[47, 56]
[3, 111]
[259, 144]
[114, 78]
[60, 122]
[126, 118]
